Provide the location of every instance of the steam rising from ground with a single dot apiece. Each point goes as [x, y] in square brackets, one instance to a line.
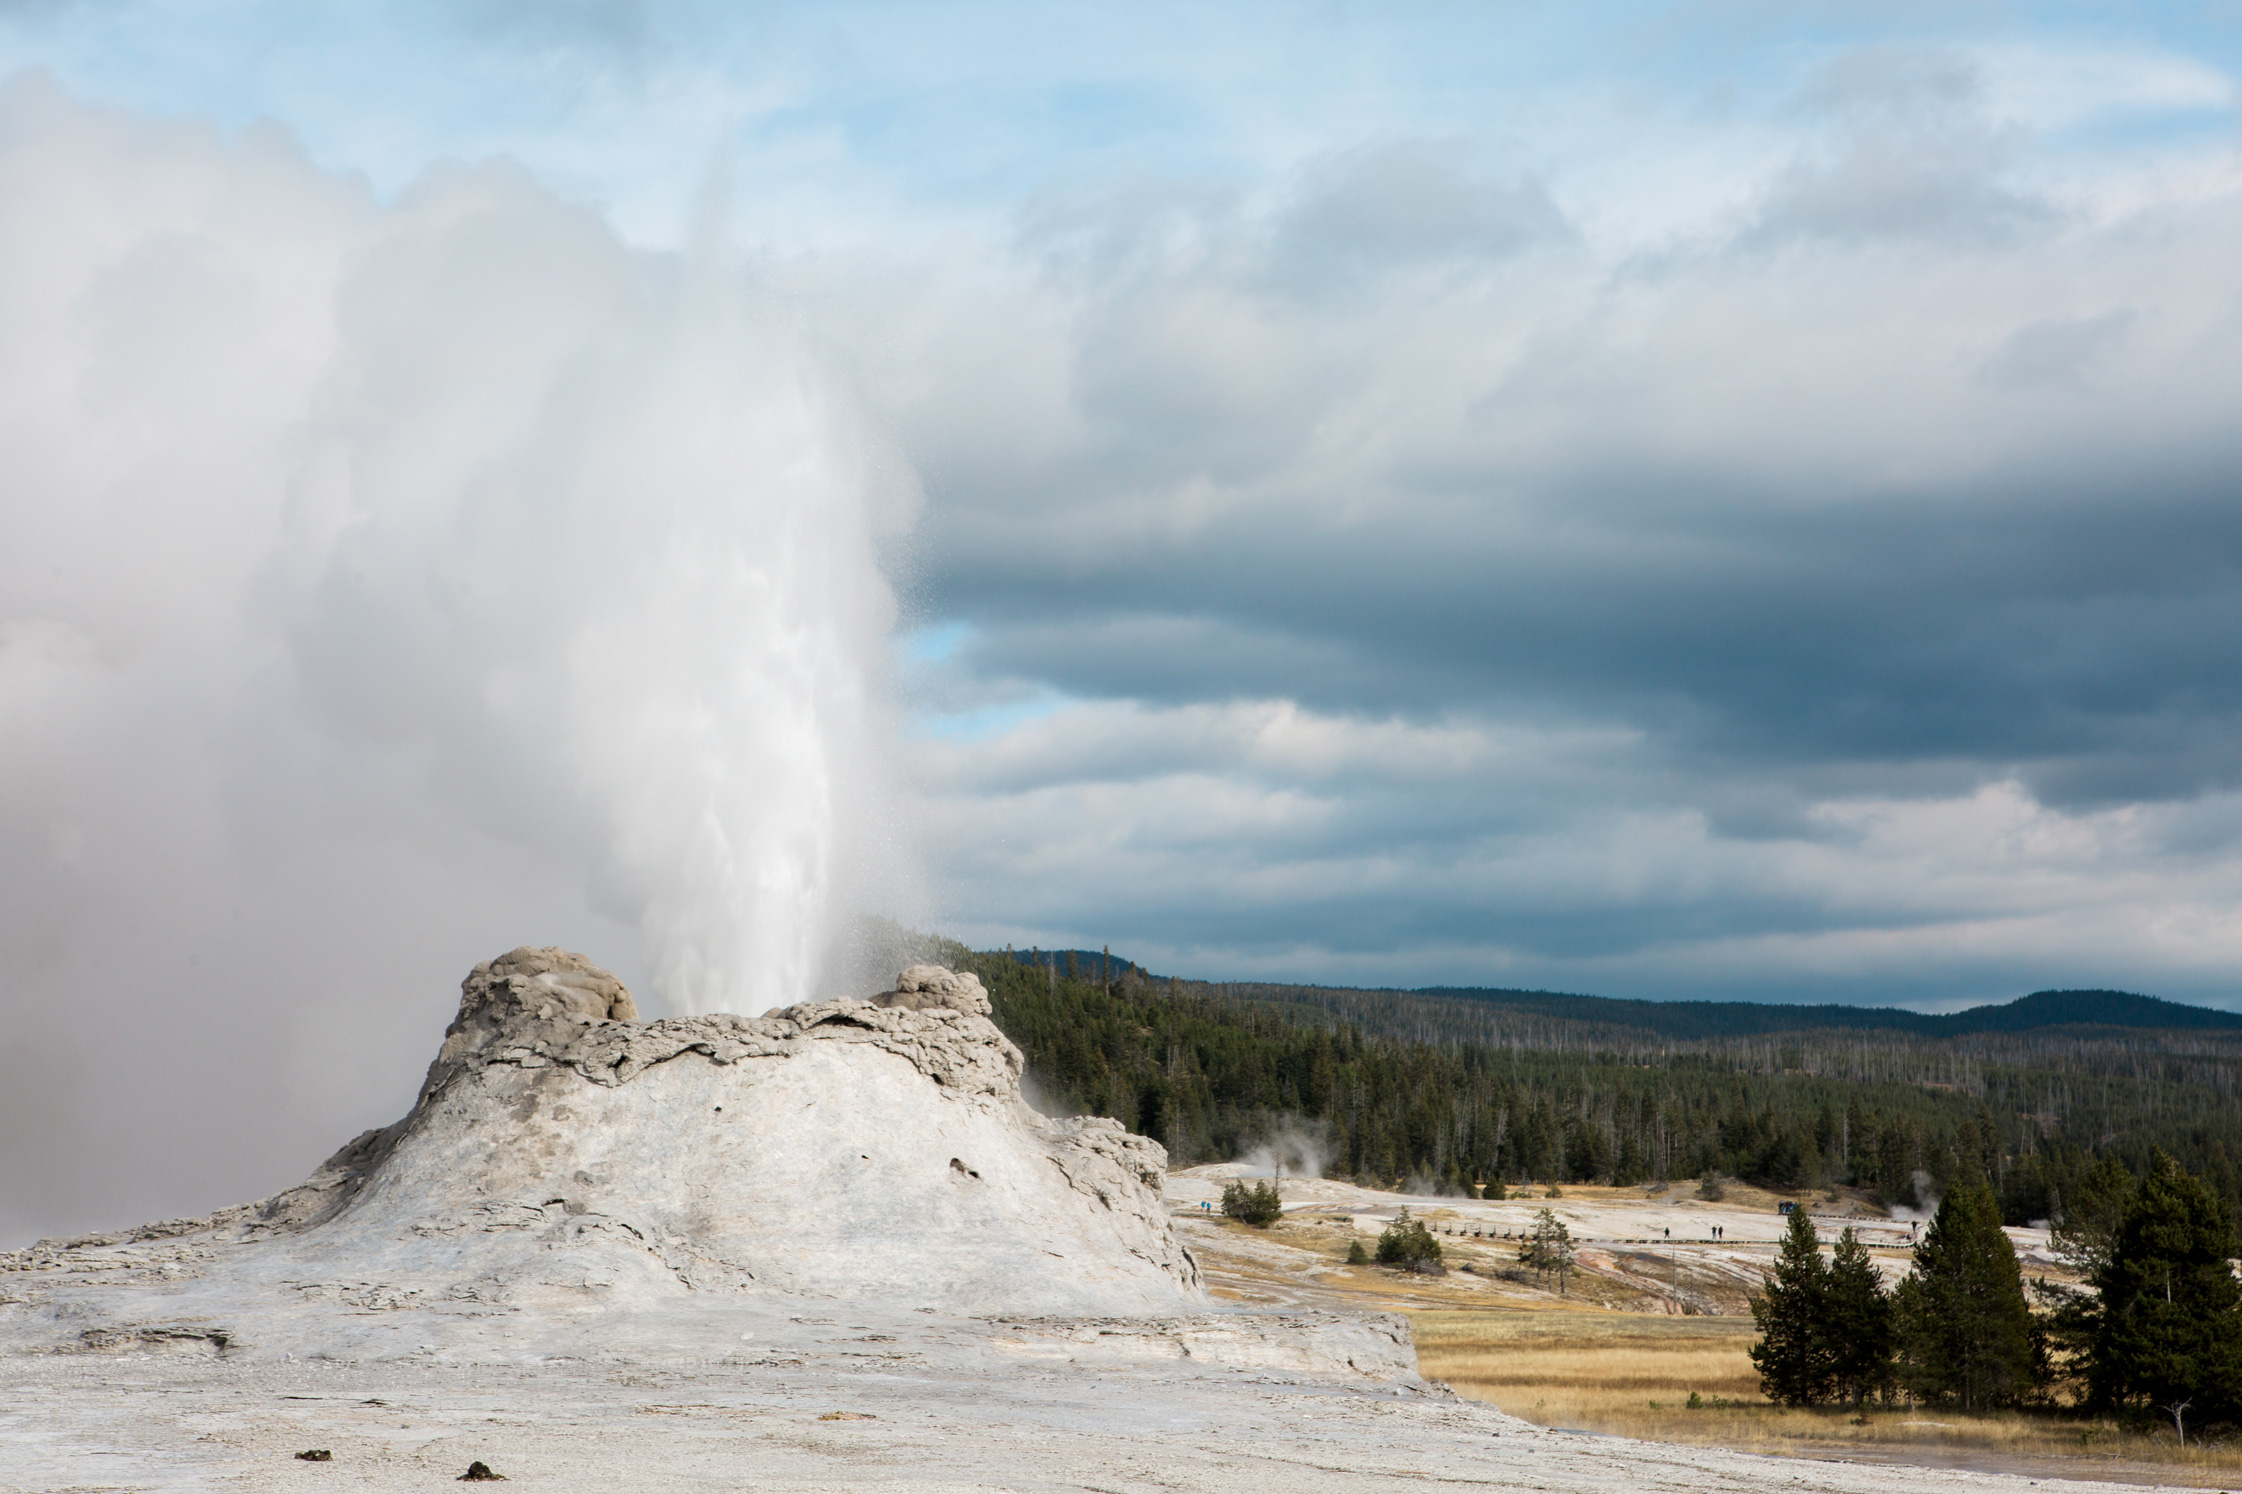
[384, 586]
[1295, 1151]
[1926, 1195]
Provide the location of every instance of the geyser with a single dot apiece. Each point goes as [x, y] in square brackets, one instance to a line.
[612, 536]
[441, 564]
[563, 1154]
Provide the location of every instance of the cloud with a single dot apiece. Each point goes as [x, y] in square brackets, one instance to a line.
[2060, 352]
[1376, 210]
[1778, 511]
[1266, 841]
[1785, 511]
[1911, 152]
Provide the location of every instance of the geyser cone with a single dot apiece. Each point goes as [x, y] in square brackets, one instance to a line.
[873, 1148]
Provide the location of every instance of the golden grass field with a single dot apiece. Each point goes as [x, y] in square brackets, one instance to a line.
[1631, 1374]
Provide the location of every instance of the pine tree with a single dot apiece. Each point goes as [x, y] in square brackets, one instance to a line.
[1792, 1353]
[1260, 1205]
[1856, 1322]
[1964, 1332]
[2084, 1237]
[1549, 1249]
[2168, 1325]
[2088, 1229]
[1407, 1243]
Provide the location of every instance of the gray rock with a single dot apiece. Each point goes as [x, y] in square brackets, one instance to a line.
[931, 987]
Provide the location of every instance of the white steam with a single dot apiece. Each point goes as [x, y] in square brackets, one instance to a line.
[1925, 1189]
[382, 587]
[658, 584]
[1297, 1150]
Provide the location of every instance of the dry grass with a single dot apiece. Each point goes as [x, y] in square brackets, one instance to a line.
[1631, 1375]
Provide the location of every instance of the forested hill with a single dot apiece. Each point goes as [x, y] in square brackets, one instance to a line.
[1455, 1088]
[1557, 1019]
[1710, 1019]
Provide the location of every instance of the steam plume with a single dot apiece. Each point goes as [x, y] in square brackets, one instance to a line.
[382, 586]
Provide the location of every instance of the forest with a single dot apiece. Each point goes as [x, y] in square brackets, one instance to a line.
[1447, 1091]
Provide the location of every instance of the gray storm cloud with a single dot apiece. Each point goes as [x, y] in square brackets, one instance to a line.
[386, 586]
[1838, 594]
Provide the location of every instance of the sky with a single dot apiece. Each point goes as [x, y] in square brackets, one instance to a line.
[1716, 500]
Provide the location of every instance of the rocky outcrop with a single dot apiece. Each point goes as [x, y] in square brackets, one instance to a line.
[872, 1148]
[933, 988]
[534, 993]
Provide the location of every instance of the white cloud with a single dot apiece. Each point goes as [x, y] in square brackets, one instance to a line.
[1260, 839]
[2055, 87]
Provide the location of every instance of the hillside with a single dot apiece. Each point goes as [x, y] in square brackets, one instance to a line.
[1705, 1019]
[1455, 1088]
[1684, 1020]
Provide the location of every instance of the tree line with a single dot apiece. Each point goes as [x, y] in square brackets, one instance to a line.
[2159, 1334]
[1211, 1075]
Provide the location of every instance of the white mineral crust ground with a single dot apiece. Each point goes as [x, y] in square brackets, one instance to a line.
[825, 1249]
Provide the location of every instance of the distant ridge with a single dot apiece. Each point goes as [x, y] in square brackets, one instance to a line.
[1686, 1020]
[1088, 964]
[1700, 1019]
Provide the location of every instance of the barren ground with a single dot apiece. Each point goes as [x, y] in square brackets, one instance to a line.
[755, 1392]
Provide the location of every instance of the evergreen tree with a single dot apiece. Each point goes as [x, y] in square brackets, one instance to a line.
[1793, 1349]
[1856, 1322]
[2083, 1237]
[2168, 1325]
[1549, 1249]
[1406, 1242]
[1825, 1130]
[1260, 1206]
[1964, 1333]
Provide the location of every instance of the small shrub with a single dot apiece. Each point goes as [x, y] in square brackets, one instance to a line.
[1696, 1401]
[1712, 1187]
[1494, 1189]
[1555, 1191]
[1356, 1255]
[1258, 1206]
[1406, 1241]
